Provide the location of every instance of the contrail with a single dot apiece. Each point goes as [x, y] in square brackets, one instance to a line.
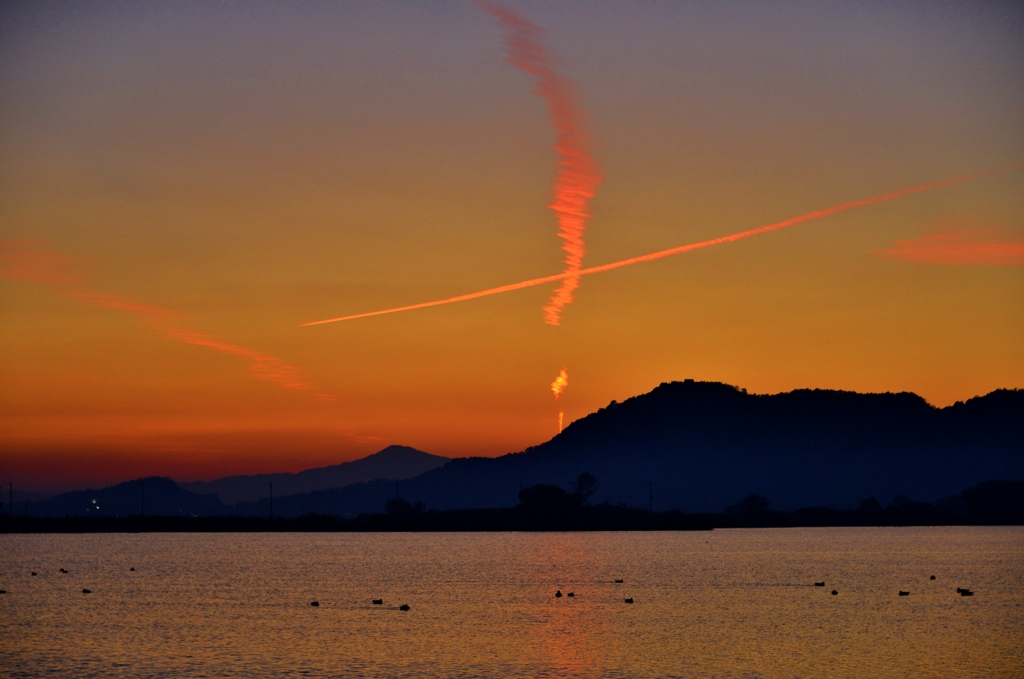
[23, 261]
[578, 174]
[557, 387]
[560, 383]
[661, 254]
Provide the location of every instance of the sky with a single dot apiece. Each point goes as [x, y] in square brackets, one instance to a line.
[184, 185]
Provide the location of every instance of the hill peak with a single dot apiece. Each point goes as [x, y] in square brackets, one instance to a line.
[394, 463]
[397, 452]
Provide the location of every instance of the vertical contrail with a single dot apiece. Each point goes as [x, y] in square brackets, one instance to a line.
[557, 387]
[578, 174]
[560, 383]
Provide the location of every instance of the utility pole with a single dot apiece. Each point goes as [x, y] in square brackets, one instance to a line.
[396, 490]
[271, 500]
[10, 488]
[142, 498]
[650, 497]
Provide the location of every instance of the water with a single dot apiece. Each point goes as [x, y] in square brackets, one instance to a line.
[731, 603]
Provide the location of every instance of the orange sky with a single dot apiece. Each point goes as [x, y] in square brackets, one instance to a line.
[240, 172]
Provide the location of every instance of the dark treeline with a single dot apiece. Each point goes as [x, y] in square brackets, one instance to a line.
[551, 508]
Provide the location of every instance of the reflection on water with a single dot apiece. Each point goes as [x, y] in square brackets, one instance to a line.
[738, 603]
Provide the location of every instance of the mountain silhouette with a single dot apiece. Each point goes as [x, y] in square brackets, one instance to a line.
[154, 496]
[705, 446]
[698, 447]
[392, 463]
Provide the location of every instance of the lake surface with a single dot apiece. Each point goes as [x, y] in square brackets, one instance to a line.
[728, 603]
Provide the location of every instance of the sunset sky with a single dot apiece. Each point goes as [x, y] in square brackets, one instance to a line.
[183, 185]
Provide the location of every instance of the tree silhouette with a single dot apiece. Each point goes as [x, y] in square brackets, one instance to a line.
[550, 503]
[584, 488]
[870, 506]
[751, 504]
[397, 506]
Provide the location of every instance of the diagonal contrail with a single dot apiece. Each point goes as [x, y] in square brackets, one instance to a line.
[661, 254]
[578, 175]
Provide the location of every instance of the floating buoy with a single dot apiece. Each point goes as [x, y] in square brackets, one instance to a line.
[86, 591]
[403, 607]
[834, 592]
[558, 593]
[132, 568]
[314, 603]
[819, 584]
[629, 600]
[902, 593]
[33, 574]
[378, 602]
[619, 581]
[932, 578]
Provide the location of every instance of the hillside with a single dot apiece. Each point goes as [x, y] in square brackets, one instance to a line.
[701, 446]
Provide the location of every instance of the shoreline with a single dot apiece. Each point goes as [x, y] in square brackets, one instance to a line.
[496, 520]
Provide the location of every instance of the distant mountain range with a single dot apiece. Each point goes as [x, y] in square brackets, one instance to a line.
[157, 496]
[692, 446]
[153, 496]
[393, 463]
[702, 446]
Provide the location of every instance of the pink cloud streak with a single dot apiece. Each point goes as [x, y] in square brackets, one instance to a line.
[975, 247]
[21, 261]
